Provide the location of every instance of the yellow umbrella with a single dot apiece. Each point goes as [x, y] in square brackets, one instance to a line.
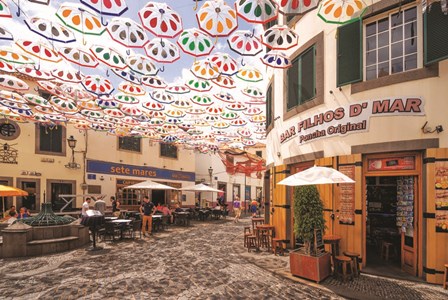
[11, 191]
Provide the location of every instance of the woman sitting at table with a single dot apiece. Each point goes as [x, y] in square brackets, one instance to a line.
[23, 213]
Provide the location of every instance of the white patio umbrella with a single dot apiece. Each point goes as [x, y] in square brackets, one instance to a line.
[200, 188]
[316, 175]
[149, 185]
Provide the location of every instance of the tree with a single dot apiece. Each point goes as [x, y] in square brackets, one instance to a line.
[308, 214]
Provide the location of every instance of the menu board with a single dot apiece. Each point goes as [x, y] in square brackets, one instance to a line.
[347, 197]
[391, 163]
[319, 245]
[441, 201]
[405, 205]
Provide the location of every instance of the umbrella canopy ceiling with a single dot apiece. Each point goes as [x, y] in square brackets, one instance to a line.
[11, 191]
[316, 175]
[149, 185]
[200, 188]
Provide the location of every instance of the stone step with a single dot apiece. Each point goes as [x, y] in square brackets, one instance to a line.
[50, 241]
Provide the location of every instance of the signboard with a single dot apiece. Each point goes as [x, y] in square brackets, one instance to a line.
[391, 164]
[103, 167]
[347, 197]
[351, 118]
[441, 201]
[318, 241]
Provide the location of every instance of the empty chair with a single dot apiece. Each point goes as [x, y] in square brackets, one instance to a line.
[110, 230]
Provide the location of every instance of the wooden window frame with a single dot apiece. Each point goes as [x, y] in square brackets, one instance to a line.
[63, 141]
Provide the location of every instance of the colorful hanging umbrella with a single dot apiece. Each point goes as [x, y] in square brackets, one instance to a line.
[295, 7]
[154, 82]
[280, 37]
[181, 104]
[106, 103]
[225, 63]
[67, 75]
[12, 83]
[162, 97]
[202, 100]
[141, 65]
[214, 110]
[78, 18]
[175, 113]
[217, 18]
[153, 106]
[226, 97]
[177, 89]
[162, 50]
[244, 43]
[62, 105]
[4, 10]
[236, 106]
[36, 100]
[108, 56]
[78, 57]
[6, 67]
[252, 111]
[194, 42]
[253, 92]
[341, 11]
[39, 50]
[33, 73]
[50, 30]
[14, 57]
[160, 20]
[127, 75]
[257, 11]
[131, 89]
[107, 7]
[51, 87]
[127, 33]
[276, 59]
[199, 85]
[131, 110]
[5, 34]
[224, 81]
[249, 74]
[12, 96]
[204, 69]
[126, 99]
[75, 92]
[238, 122]
[97, 85]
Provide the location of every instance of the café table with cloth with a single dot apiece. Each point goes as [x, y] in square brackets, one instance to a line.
[122, 223]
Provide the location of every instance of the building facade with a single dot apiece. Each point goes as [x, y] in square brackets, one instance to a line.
[368, 98]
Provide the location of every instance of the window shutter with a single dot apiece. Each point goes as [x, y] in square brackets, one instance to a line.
[349, 53]
[435, 34]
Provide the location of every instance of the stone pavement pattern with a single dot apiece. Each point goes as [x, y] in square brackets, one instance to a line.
[203, 261]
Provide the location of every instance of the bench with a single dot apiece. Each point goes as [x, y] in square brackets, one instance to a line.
[50, 241]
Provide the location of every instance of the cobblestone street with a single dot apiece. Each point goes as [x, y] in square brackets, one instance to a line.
[202, 261]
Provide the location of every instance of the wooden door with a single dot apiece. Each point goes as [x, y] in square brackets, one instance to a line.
[409, 238]
[281, 205]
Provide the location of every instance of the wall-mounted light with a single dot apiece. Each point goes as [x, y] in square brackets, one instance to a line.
[71, 141]
[102, 178]
[279, 154]
[438, 128]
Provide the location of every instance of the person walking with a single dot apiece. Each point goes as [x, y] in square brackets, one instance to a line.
[146, 211]
[85, 207]
[237, 209]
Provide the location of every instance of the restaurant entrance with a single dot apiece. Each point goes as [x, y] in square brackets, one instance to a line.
[392, 200]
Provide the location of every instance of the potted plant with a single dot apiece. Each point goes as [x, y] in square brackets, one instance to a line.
[308, 217]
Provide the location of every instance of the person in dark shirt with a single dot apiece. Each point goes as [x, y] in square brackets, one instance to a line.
[147, 210]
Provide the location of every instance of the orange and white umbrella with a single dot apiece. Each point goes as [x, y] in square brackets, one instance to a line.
[341, 11]
[205, 69]
[14, 57]
[249, 74]
[217, 18]
[80, 19]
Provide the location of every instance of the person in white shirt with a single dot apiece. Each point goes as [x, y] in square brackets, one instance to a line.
[85, 207]
[12, 217]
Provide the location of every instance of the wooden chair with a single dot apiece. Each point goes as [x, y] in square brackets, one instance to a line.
[445, 276]
[343, 268]
[355, 257]
[252, 243]
[277, 246]
[247, 233]
[110, 230]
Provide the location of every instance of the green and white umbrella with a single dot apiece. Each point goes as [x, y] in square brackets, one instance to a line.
[195, 42]
[257, 11]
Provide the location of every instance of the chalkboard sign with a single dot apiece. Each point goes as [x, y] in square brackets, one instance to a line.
[318, 241]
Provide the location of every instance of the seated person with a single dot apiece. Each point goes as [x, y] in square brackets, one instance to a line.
[23, 213]
[178, 209]
[159, 207]
[6, 214]
[12, 217]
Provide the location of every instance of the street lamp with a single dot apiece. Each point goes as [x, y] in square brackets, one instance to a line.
[72, 144]
[210, 173]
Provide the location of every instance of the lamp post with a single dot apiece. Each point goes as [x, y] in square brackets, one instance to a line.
[72, 144]
[210, 173]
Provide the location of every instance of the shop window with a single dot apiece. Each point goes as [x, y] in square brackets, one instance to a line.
[301, 79]
[50, 140]
[168, 150]
[129, 143]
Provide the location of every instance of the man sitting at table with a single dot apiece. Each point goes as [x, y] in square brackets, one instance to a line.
[147, 210]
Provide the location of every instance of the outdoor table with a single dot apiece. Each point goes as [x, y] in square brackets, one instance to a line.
[333, 240]
[156, 221]
[182, 217]
[110, 218]
[217, 213]
[265, 230]
[122, 223]
[257, 221]
[93, 222]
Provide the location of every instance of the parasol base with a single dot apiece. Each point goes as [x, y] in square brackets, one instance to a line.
[91, 248]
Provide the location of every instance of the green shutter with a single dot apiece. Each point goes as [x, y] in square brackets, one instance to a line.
[435, 34]
[269, 97]
[349, 52]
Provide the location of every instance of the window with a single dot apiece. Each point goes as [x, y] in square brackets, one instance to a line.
[301, 79]
[391, 44]
[269, 105]
[168, 150]
[259, 153]
[50, 140]
[129, 143]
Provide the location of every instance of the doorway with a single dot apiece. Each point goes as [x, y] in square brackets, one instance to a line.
[61, 188]
[32, 186]
[390, 236]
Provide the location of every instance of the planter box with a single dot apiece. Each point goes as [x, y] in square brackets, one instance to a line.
[315, 268]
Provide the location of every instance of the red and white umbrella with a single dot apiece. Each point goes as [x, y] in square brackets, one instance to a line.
[280, 37]
[177, 89]
[217, 18]
[39, 50]
[97, 85]
[225, 63]
[6, 67]
[34, 73]
[127, 33]
[67, 75]
[224, 81]
[131, 89]
[244, 43]
[162, 50]
[296, 7]
[160, 20]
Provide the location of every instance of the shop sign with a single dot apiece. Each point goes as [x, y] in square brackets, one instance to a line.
[391, 163]
[103, 167]
[353, 118]
[347, 197]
